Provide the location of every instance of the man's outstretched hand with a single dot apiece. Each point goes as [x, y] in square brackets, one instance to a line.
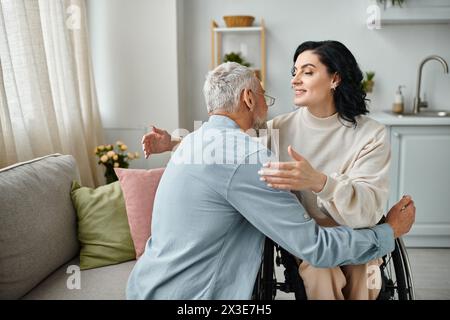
[401, 216]
[156, 141]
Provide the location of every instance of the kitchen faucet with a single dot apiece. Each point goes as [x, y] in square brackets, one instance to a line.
[422, 104]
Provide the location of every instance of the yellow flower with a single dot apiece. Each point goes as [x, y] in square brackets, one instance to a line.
[116, 164]
[136, 155]
[95, 150]
[130, 155]
[123, 147]
[115, 157]
[101, 148]
[119, 142]
[104, 158]
[111, 154]
[109, 147]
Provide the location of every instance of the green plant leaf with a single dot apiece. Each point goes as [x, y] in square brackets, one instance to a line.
[235, 57]
[370, 75]
[393, 2]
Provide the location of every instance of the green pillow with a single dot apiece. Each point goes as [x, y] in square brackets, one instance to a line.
[103, 230]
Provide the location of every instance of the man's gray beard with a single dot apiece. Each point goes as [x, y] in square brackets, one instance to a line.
[260, 123]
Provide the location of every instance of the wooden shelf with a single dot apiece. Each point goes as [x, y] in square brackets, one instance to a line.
[216, 45]
[416, 16]
[239, 29]
[417, 12]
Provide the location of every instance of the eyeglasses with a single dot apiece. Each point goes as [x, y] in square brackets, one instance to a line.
[270, 101]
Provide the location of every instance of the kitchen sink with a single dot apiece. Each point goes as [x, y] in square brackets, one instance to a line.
[427, 113]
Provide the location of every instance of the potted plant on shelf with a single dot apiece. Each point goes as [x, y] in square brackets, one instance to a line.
[368, 82]
[393, 3]
[236, 57]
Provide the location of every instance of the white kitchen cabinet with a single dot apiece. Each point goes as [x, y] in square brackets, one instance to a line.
[421, 168]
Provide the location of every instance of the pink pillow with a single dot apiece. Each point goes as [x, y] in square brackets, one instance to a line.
[139, 189]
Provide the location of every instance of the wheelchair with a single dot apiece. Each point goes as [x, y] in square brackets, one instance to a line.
[396, 276]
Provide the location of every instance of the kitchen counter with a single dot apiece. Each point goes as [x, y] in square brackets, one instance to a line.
[390, 119]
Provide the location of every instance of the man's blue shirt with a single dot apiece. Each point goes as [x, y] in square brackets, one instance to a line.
[211, 216]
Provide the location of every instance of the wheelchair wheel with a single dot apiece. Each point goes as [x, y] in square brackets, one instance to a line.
[397, 275]
[293, 282]
[265, 285]
[397, 282]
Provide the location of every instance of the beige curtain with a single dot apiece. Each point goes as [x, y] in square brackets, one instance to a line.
[47, 95]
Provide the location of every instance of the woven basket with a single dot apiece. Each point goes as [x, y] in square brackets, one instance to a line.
[238, 21]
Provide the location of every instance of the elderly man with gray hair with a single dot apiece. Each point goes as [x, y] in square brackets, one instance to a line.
[212, 213]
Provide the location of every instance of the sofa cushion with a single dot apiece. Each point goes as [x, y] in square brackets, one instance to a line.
[106, 283]
[103, 230]
[139, 190]
[37, 222]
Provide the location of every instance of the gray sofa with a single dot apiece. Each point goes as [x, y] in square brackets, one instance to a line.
[38, 236]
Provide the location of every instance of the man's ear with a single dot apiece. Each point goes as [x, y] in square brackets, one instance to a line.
[249, 99]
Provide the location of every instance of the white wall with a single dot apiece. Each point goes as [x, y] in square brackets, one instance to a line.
[134, 50]
[150, 56]
[394, 52]
[184, 110]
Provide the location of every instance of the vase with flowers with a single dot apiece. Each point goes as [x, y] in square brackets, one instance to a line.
[114, 156]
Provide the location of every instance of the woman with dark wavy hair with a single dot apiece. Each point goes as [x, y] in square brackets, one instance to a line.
[340, 173]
